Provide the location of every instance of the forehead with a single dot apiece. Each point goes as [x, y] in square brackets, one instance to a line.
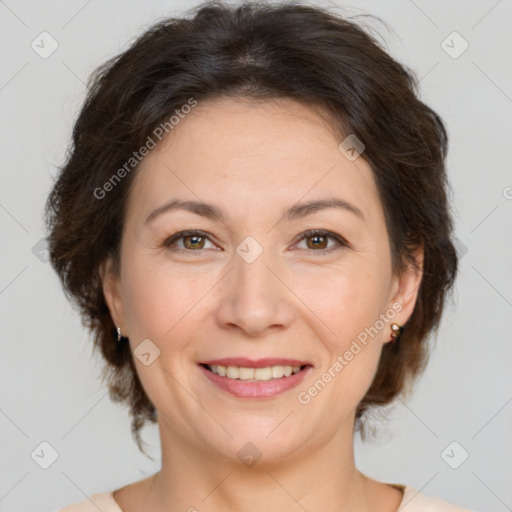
[252, 154]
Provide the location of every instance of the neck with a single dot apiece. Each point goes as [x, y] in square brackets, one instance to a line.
[319, 477]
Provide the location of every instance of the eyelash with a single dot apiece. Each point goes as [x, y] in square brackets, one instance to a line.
[312, 232]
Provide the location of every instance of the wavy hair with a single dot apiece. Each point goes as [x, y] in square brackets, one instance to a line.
[257, 51]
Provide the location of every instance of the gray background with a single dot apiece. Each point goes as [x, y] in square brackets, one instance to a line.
[49, 385]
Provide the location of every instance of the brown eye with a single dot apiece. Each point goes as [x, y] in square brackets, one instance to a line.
[317, 240]
[191, 241]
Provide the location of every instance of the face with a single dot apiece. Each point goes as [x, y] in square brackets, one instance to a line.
[251, 279]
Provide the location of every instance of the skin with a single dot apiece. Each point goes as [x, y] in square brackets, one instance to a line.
[255, 160]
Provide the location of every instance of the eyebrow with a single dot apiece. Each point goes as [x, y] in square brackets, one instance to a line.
[213, 212]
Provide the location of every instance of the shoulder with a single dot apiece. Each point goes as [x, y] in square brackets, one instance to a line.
[103, 501]
[415, 501]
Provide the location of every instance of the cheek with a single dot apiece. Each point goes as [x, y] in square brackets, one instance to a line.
[164, 307]
[146, 303]
[346, 318]
[160, 303]
[346, 300]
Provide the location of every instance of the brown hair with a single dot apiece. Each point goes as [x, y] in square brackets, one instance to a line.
[255, 51]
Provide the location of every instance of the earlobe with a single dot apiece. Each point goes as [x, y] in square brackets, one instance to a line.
[111, 290]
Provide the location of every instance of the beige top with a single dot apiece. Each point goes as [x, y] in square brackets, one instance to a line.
[412, 501]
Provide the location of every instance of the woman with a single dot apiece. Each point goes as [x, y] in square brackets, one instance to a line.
[253, 219]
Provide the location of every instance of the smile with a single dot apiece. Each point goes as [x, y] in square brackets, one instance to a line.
[251, 382]
[254, 374]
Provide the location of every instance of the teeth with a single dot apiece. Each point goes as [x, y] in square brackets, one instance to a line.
[254, 374]
[232, 372]
[244, 373]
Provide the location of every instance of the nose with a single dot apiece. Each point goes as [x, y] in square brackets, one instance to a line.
[255, 298]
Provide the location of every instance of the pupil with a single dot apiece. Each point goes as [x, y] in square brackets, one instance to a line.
[317, 237]
[193, 237]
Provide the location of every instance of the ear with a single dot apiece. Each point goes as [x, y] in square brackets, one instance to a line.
[405, 289]
[111, 284]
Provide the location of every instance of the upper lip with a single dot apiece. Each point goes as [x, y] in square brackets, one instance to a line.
[244, 362]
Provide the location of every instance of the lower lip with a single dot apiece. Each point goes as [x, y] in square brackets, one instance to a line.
[263, 389]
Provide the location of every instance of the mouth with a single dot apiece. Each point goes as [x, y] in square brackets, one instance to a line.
[264, 378]
[260, 374]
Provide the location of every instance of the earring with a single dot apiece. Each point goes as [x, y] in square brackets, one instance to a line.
[118, 334]
[396, 330]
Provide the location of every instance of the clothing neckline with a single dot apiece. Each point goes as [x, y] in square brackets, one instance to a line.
[107, 498]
